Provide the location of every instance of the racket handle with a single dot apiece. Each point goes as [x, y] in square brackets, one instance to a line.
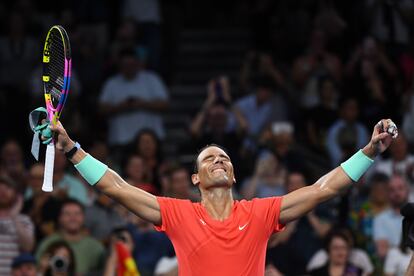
[49, 164]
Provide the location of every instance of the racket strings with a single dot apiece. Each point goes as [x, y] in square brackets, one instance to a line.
[55, 68]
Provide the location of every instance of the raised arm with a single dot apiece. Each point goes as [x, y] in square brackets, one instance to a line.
[143, 204]
[301, 201]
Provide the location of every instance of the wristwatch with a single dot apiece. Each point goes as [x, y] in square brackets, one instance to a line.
[73, 150]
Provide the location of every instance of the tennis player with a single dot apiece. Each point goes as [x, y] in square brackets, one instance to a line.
[220, 235]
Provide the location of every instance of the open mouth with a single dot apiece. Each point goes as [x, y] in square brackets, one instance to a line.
[219, 170]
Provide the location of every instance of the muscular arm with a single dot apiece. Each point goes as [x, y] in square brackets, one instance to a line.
[141, 203]
[301, 201]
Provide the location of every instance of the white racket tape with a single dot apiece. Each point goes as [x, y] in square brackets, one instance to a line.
[49, 165]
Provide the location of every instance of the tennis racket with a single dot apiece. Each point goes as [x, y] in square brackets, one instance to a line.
[56, 80]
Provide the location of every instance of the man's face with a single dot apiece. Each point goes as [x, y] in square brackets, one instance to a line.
[214, 169]
[128, 67]
[397, 191]
[71, 218]
[7, 196]
[28, 269]
[180, 182]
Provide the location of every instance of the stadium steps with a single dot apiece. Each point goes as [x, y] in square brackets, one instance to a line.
[201, 55]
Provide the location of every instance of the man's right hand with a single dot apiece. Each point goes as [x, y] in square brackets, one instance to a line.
[62, 139]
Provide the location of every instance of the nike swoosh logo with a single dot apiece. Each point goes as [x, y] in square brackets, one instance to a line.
[202, 222]
[242, 227]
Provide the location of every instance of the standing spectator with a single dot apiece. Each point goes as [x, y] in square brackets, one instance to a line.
[347, 134]
[388, 224]
[16, 230]
[132, 100]
[89, 252]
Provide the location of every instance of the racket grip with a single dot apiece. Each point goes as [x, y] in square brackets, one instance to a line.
[49, 164]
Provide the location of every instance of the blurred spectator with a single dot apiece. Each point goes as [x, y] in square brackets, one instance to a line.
[400, 162]
[179, 184]
[362, 216]
[148, 146]
[117, 235]
[286, 250]
[43, 208]
[322, 116]
[268, 178]
[338, 247]
[347, 134]
[372, 78]
[307, 69]
[260, 108]
[391, 21]
[16, 229]
[102, 217]
[18, 53]
[217, 122]
[24, 265]
[132, 100]
[137, 174]
[58, 260]
[388, 224]
[66, 183]
[408, 119]
[147, 14]
[397, 260]
[258, 64]
[167, 266]
[12, 163]
[357, 257]
[89, 252]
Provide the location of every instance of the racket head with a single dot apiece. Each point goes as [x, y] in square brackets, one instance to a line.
[56, 71]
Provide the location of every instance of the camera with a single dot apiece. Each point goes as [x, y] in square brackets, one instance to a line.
[59, 264]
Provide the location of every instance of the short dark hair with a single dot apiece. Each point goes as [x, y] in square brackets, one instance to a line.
[8, 182]
[202, 149]
[342, 233]
[71, 201]
[378, 177]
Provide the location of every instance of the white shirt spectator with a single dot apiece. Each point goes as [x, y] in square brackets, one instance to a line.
[145, 86]
[388, 226]
[396, 262]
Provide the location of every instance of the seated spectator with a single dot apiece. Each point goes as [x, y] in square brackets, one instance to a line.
[148, 146]
[286, 251]
[43, 208]
[338, 247]
[24, 265]
[16, 229]
[102, 217]
[259, 64]
[12, 163]
[387, 226]
[89, 252]
[66, 185]
[362, 216]
[397, 261]
[320, 117]
[132, 100]
[178, 185]
[220, 124]
[137, 174]
[268, 178]
[400, 162]
[263, 106]
[58, 260]
[357, 257]
[347, 134]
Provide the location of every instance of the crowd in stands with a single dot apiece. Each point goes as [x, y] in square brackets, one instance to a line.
[319, 75]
